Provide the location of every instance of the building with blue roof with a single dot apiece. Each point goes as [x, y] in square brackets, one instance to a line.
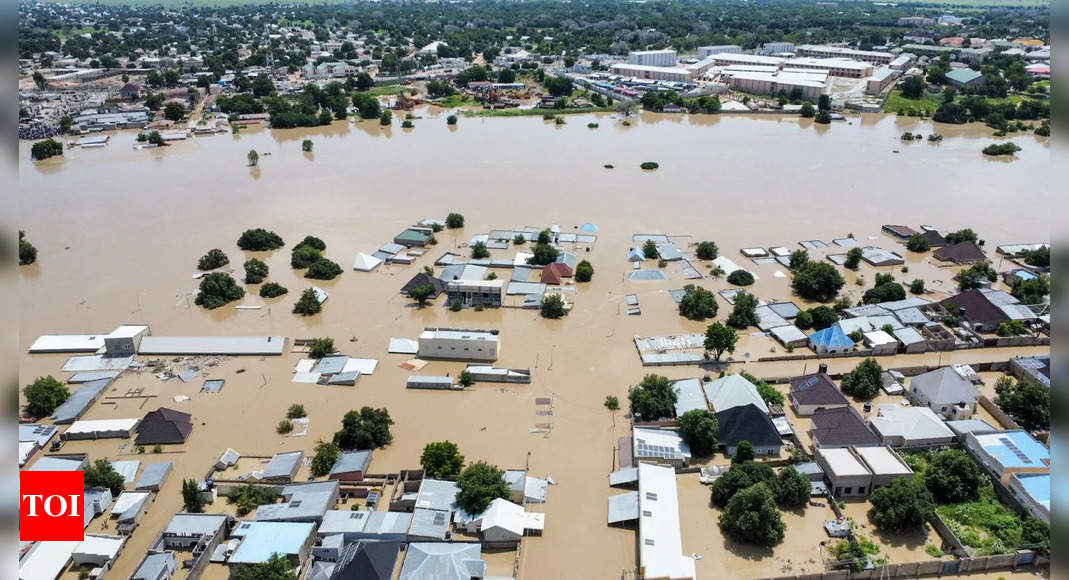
[261, 540]
[1007, 453]
[830, 340]
[1032, 490]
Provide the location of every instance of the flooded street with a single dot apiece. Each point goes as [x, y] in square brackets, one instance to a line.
[120, 231]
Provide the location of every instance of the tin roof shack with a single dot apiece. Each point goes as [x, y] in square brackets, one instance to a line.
[1032, 490]
[351, 466]
[504, 523]
[261, 540]
[431, 382]
[459, 344]
[61, 462]
[664, 446]
[429, 525]
[79, 401]
[125, 340]
[884, 464]
[689, 396]
[830, 340]
[748, 423]
[847, 476]
[810, 393]
[97, 500]
[282, 467]
[156, 566]
[164, 427]
[302, 502]
[1008, 452]
[153, 476]
[443, 561]
[475, 292]
[880, 342]
[841, 427]
[910, 427]
[129, 507]
[199, 534]
[945, 392]
[46, 560]
[101, 429]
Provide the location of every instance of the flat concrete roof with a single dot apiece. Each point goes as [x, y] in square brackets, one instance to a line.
[220, 345]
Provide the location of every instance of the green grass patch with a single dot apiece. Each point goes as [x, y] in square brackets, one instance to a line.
[986, 526]
[926, 105]
[384, 90]
[537, 112]
[453, 101]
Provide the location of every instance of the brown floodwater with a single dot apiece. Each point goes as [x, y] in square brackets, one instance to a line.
[119, 232]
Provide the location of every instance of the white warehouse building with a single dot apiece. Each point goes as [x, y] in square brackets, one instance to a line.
[653, 73]
[652, 57]
[836, 67]
[769, 82]
[869, 56]
[705, 51]
[458, 344]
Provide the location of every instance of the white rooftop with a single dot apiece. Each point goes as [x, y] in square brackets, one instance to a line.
[842, 463]
[882, 461]
[660, 542]
[911, 423]
[101, 425]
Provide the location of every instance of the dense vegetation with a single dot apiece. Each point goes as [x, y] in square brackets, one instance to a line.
[654, 398]
[43, 395]
[441, 459]
[218, 289]
[479, 484]
[697, 303]
[367, 429]
[259, 240]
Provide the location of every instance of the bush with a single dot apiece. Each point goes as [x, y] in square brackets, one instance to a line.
[997, 149]
[304, 256]
[654, 398]
[321, 347]
[952, 476]
[698, 303]
[323, 269]
[284, 426]
[44, 395]
[553, 306]
[864, 381]
[367, 429]
[259, 240]
[818, 281]
[386, 119]
[213, 259]
[649, 165]
[479, 484]
[255, 271]
[751, 516]
[272, 290]
[306, 145]
[768, 393]
[803, 320]
[707, 251]
[904, 504]
[744, 312]
[27, 253]
[479, 251]
[584, 271]
[451, 120]
[101, 473]
[519, 240]
[1027, 401]
[853, 258]
[465, 378]
[406, 124]
[454, 221]
[441, 459]
[308, 304]
[45, 149]
[217, 289]
[740, 278]
[978, 275]
[296, 412]
[916, 286]
[326, 455]
[1011, 328]
[249, 497]
[918, 243]
[823, 317]
[698, 428]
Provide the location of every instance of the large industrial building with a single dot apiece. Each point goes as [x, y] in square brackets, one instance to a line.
[777, 48]
[653, 73]
[770, 81]
[836, 67]
[869, 56]
[662, 58]
[458, 344]
[705, 51]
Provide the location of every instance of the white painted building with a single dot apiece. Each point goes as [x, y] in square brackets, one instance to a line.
[662, 58]
[653, 73]
[705, 51]
[458, 344]
[869, 56]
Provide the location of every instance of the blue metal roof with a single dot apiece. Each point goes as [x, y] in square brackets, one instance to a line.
[831, 337]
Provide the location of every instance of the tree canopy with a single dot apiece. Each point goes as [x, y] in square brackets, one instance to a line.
[739, 477]
[367, 429]
[697, 303]
[101, 473]
[744, 312]
[818, 281]
[553, 306]
[215, 258]
[751, 516]
[44, 395]
[864, 381]
[1028, 401]
[218, 289]
[740, 277]
[698, 427]
[441, 459]
[720, 339]
[654, 398]
[479, 484]
[584, 271]
[323, 269]
[904, 504]
[707, 251]
[421, 294]
[27, 252]
[259, 240]
[326, 455]
[255, 271]
[308, 304]
[454, 220]
[952, 476]
[277, 567]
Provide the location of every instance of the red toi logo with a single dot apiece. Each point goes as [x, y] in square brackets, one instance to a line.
[51, 505]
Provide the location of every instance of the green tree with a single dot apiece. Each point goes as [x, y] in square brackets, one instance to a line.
[174, 111]
[744, 312]
[277, 567]
[698, 303]
[738, 478]
[720, 339]
[904, 504]
[304, 256]
[254, 158]
[308, 304]
[916, 286]
[27, 252]
[543, 254]
[1027, 401]
[751, 517]
[1039, 258]
[807, 111]
[296, 411]
[479, 484]
[952, 476]
[451, 120]
[39, 80]
[744, 452]
[1035, 534]
[454, 221]
[215, 258]
[768, 393]
[441, 459]
[649, 249]
[248, 497]
[44, 395]
[818, 281]
[698, 427]
[101, 473]
[465, 378]
[853, 258]
[367, 429]
[612, 403]
[864, 381]
[364, 81]
[321, 347]
[326, 455]
[307, 145]
[259, 240]
[421, 294]
[255, 271]
[798, 259]
[823, 317]
[963, 235]
[217, 289]
[884, 292]
[913, 87]
[792, 488]
[707, 251]
[386, 119]
[740, 277]
[192, 500]
[584, 271]
[654, 398]
[284, 426]
[272, 290]
[553, 306]
[823, 116]
[479, 251]
[803, 320]
[1031, 291]
[323, 269]
[918, 243]
[978, 275]
[154, 138]
[45, 149]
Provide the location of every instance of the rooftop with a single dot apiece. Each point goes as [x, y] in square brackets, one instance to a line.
[660, 542]
[261, 540]
[1013, 449]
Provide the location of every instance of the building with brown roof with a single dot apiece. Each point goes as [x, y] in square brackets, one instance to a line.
[810, 393]
[164, 426]
[841, 427]
[961, 253]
